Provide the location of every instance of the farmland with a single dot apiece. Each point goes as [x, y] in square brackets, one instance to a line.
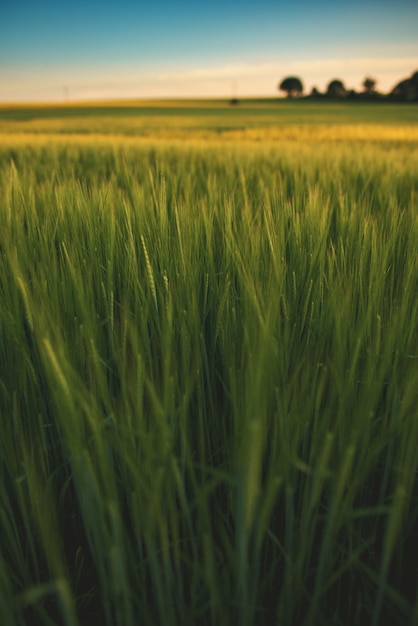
[209, 364]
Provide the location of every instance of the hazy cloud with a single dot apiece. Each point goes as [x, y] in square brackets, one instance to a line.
[387, 71]
[244, 79]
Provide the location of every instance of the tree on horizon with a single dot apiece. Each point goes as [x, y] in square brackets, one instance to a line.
[407, 89]
[369, 85]
[336, 88]
[292, 85]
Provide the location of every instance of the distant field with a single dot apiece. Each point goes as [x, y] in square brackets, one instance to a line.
[209, 364]
[266, 120]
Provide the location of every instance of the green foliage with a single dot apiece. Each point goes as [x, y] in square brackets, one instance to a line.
[292, 85]
[336, 89]
[406, 90]
[369, 84]
[208, 385]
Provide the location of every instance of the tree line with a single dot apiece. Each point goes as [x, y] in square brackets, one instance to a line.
[405, 91]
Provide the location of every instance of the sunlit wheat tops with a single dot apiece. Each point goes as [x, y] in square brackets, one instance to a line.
[149, 273]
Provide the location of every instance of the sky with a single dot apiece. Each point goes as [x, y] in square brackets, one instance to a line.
[59, 50]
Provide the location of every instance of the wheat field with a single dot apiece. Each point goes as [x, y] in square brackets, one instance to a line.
[209, 368]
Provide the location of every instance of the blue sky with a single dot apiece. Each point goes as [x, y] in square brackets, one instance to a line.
[51, 50]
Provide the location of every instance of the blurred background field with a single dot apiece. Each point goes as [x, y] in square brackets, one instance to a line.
[259, 120]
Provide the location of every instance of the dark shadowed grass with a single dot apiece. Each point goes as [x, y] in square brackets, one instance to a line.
[208, 385]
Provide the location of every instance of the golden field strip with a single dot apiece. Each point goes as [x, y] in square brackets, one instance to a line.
[266, 121]
[44, 134]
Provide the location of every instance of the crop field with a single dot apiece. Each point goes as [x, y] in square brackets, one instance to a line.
[209, 364]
